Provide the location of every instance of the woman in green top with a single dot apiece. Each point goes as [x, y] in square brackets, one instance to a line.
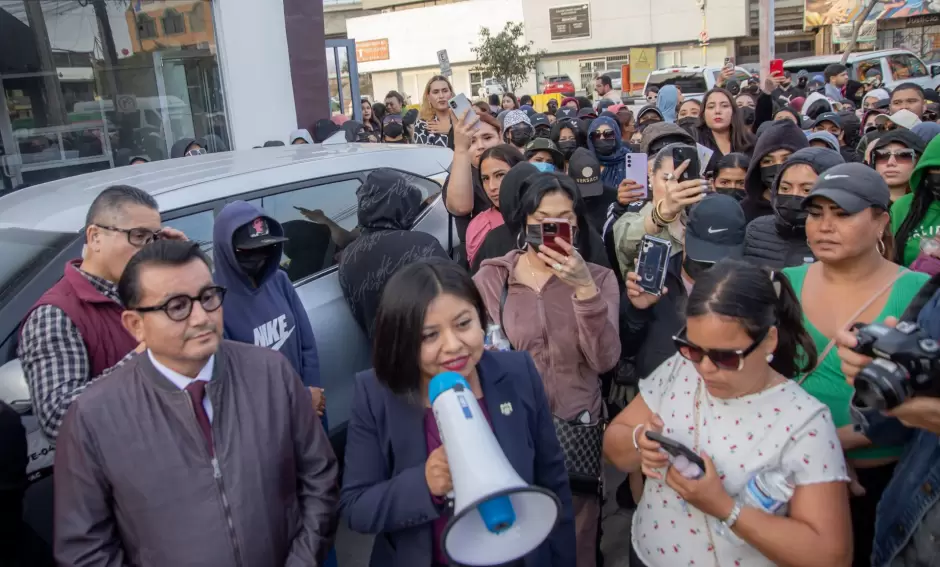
[916, 216]
[847, 230]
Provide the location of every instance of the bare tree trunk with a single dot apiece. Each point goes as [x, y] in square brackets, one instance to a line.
[856, 27]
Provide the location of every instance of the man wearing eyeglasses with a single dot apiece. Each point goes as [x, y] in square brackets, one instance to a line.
[73, 334]
[894, 156]
[198, 452]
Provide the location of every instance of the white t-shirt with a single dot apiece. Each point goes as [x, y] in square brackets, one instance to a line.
[781, 427]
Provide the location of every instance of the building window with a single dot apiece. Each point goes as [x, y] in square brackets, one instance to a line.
[476, 84]
[146, 27]
[197, 22]
[173, 23]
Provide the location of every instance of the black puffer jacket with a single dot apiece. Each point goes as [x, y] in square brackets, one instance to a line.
[773, 242]
[780, 135]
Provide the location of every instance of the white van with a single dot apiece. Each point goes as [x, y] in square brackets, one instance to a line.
[897, 66]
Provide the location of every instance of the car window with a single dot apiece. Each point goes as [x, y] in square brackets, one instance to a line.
[904, 66]
[862, 67]
[26, 252]
[687, 81]
[197, 227]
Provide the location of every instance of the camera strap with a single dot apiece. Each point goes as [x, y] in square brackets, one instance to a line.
[848, 324]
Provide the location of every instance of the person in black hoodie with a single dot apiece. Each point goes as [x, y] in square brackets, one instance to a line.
[774, 145]
[778, 241]
[388, 206]
[186, 147]
[568, 136]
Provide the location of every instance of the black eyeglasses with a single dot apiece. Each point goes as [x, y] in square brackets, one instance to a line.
[135, 236]
[905, 156]
[180, 307]
[724, 359]
[603, 135]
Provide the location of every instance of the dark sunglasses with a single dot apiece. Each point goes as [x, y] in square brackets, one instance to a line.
[905, 156]
[135, 236]
[605, 135]
[180, 307]
[724, 359]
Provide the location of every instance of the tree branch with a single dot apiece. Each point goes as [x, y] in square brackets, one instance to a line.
[856, 27]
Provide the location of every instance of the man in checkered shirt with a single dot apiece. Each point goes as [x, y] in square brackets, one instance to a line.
[73, 334]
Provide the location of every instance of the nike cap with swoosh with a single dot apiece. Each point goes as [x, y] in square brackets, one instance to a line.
[715, 229]
[854, 187]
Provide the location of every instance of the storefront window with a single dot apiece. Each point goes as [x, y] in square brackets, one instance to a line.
[89, 85]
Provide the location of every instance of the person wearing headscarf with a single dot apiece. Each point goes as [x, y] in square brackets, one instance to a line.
[604, 140]
[300, 136]
[781, 139]
[667, 102]
[778, 241]
[873, 96]
[186, 147]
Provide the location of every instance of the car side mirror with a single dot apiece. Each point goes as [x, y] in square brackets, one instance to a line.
[935, 69]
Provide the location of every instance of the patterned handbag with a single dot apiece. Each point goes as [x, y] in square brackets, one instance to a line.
[582, 443]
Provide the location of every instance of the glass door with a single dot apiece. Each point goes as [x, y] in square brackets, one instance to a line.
[343, 73]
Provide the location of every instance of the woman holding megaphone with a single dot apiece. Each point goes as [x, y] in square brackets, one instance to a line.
[397, 479]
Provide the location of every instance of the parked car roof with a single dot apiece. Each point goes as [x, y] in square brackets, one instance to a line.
[829, 59]
[62, 205]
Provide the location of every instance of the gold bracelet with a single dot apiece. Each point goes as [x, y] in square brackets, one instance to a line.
[663, 218]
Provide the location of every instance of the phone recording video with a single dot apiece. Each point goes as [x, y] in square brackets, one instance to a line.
[690, 153]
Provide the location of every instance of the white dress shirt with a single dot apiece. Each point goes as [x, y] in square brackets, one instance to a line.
[182, 381]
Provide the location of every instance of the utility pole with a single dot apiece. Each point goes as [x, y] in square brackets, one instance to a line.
[703, 37]
[765, 34]
[55, 108]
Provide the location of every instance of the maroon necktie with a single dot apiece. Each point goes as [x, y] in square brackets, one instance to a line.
[197, 391]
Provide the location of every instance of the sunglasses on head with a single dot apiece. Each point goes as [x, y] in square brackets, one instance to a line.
[605, 135]
[905, 156]
[725, 359]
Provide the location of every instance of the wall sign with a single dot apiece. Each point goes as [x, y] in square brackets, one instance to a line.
[570, 22]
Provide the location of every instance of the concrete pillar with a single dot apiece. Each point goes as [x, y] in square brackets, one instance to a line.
[307, 50]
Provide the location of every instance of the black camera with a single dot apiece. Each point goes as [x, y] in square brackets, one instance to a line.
[906, 364]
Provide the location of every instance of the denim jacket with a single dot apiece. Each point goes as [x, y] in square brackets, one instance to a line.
[915, 487]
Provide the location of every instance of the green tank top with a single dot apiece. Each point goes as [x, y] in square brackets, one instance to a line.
[827, 384]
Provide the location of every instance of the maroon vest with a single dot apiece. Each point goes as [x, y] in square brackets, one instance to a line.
[97, 317]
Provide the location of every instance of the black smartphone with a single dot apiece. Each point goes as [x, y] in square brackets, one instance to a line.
[674, 449]
[690, 153]
[651, 265]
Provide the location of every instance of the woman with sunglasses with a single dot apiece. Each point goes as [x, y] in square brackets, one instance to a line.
[852, 279]
[727, 396]
[916, 216]
[605, 141]
[894, 155]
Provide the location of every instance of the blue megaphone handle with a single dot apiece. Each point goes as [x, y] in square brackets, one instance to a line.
[443, 382]
[497, 514]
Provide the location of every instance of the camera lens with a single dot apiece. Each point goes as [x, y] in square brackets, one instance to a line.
[881, 385]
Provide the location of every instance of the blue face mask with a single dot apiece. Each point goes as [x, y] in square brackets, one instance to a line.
[544, 167]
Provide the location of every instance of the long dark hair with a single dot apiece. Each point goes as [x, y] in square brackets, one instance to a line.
[580, 136]
[399, 319]
[543, 184]
[920, 202]
[742, 139]
[734, 160]
[749, 294]
[505, 153]
[515, 102]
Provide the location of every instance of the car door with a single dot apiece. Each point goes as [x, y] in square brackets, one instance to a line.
[907, 68]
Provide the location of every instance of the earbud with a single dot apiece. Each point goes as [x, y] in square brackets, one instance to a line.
[770, 357]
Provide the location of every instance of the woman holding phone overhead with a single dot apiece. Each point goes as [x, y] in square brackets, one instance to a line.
[564, 312]
[727, 397]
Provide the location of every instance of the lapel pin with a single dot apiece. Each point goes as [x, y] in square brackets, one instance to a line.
[505, 408]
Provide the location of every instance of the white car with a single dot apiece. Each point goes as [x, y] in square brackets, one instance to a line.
[491, 87]
[897, 66]
[694, 82]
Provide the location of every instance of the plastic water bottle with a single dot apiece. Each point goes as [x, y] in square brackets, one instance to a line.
[495, 339]
[769, 490]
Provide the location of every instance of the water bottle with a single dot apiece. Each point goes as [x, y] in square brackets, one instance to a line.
[770, 491]
[495, 339]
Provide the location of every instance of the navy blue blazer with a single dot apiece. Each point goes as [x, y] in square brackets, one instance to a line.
[384, 489]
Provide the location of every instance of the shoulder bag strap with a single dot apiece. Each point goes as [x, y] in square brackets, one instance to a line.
[848, 324]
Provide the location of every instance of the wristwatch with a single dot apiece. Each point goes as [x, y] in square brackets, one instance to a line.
[732, 518]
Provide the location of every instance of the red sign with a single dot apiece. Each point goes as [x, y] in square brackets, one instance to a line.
[372, 50]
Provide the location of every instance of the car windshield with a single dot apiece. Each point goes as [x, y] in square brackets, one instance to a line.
[687, 81]
[25, 252]
[557, 79]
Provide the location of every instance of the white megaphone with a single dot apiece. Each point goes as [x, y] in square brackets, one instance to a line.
[498, 517]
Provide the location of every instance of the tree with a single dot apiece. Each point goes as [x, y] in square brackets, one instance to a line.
[506, 56]
[856, 27]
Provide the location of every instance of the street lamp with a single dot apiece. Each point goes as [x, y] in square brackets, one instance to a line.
[703, 37]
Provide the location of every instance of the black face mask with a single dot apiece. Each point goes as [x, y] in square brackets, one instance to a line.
[687, 123]
[802, 82]
[749, 115]
[768, 173]
[931, 183]
[567, 148]
[252, 262]
[393, 130]
[694, 268]
[605, 147]
[733, 193]
[789, 210]
[543, 132]
[520, 135]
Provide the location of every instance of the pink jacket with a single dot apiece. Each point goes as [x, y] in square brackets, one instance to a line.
[479, 227]
[571, 341]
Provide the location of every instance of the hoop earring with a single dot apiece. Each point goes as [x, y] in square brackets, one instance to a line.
[880, 247]
[521, 244]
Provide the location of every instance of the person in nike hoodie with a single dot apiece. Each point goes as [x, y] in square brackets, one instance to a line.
[778, 241]
[775, 144]
[262, 307]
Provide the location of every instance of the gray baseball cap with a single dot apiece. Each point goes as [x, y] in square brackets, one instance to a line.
[716, 229]
[854, 187]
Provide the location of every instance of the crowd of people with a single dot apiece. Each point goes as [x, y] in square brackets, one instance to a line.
[181, 439]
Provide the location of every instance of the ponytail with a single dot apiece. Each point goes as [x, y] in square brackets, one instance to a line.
[796, 351]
